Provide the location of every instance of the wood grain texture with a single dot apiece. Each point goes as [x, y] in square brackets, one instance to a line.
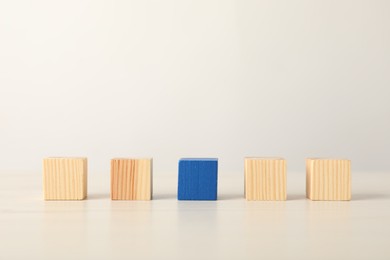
[328, 179]
[265, 178]
[65, 178]
[131, 179]
[198, 179]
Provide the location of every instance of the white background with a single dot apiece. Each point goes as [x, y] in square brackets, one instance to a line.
[172, 79]
[169, 79]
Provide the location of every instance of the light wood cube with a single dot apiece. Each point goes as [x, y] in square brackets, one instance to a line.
[328, 179]
[131, 179]
[65, 178]
[265, 178]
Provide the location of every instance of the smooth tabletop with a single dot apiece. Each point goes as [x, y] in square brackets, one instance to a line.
[164, 228]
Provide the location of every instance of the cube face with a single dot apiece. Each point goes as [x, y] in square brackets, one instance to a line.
[131, 179]
[198, 179]
[328, 179]
[265, 178]
[65, 178]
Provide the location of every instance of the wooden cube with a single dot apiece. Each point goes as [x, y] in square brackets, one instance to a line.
[131, 179]
[65, 178]
[265, 178]
[198, 179]
[328, 179]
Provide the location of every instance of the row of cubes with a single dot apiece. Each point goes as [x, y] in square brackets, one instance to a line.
[131, 179]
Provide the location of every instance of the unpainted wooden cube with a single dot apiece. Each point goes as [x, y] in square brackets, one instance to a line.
[265, 178]
[328, 179]
[65, 178]
[131, 179]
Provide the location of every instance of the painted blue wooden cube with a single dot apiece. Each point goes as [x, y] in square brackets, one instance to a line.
[198, 179]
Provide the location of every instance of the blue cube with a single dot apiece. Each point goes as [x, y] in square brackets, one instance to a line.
[198, 179]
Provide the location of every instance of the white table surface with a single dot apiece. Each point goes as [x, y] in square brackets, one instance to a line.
[230, 228]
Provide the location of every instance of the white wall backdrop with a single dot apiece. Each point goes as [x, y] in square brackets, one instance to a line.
[168, 79]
